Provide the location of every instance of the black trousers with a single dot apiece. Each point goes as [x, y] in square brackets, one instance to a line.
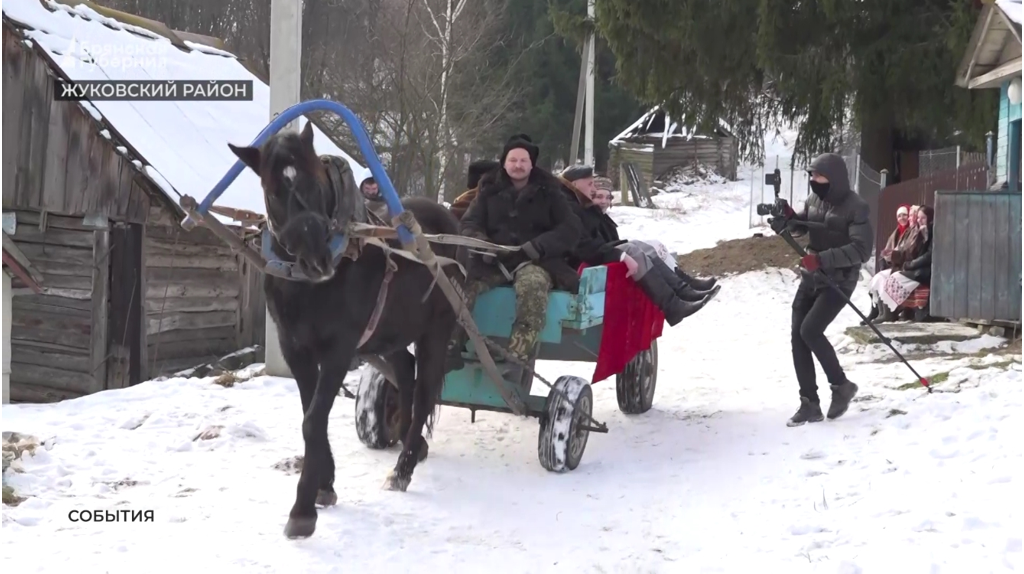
[814, 309]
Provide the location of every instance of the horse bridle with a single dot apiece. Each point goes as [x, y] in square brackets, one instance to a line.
[337, 242]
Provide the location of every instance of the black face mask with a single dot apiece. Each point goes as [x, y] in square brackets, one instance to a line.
[819, 189]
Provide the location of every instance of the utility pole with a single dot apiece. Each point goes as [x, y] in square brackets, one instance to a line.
[285, 92]
[588, 145]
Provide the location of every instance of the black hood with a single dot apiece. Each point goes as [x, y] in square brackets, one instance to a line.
[833, 166]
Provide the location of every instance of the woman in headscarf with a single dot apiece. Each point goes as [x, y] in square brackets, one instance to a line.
[896, 237]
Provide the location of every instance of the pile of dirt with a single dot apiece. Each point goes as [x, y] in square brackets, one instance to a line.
[741, 255]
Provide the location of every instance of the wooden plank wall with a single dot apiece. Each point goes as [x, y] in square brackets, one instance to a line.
[718, 152]
[58, 340]
[640, 156]
[57, 159]
[199, 300]
[976, 258]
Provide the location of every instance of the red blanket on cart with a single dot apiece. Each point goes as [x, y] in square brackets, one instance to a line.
[631, 323]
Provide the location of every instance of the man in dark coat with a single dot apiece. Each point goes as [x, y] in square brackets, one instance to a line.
[520, 205]
[841, 241]
[374, 200]
[600, 245]
[476, 171]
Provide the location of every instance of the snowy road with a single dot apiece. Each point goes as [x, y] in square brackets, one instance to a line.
[710, 480]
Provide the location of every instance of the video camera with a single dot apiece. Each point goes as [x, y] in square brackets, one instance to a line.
[774, 209]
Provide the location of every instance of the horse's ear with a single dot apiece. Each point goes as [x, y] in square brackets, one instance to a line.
[307, 135]
[250, 156]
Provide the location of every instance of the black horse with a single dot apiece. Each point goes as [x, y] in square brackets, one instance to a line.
[322, 319]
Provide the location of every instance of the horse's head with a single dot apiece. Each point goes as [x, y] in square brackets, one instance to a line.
[300, 202]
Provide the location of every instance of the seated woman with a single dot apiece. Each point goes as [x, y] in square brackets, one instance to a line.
[902, 240]
[908, 290]
[600, 245]
[603, 199]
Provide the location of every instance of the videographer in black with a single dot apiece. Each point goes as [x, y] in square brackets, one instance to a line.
[840, 241]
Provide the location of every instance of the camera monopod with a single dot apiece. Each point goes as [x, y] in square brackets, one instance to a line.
[800, 251]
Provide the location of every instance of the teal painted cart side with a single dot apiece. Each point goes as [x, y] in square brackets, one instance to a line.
[572, 332]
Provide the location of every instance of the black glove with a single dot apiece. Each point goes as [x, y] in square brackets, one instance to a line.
[778, 224]
[530, 251]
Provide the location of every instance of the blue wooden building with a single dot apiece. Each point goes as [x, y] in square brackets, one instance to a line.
[976, 257]
[993, 61]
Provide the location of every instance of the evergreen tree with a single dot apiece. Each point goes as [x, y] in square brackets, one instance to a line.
[886, 65]
[547, 66]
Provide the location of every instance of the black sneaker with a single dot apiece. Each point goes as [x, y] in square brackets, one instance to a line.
[841, 397]
[807, 413]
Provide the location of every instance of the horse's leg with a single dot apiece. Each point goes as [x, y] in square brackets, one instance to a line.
[430, 359]
[307, 372]
[333, 368]
[404, 364]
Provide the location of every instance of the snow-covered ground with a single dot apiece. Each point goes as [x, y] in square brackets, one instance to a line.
[710, 480]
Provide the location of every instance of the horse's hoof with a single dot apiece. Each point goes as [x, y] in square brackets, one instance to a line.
[395, 482]
[424, 450]
[300, 527]
[326, 498]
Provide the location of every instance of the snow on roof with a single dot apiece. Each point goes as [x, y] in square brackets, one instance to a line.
[658, 123]
[184, 143]
[1013, 9]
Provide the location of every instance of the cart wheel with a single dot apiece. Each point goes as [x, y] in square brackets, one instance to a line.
[634, 386]
[377, 414]
[563, 429]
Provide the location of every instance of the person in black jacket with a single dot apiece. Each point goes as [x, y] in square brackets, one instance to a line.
[838, 246]
[477, 170]
[519, 204]
[600, 245]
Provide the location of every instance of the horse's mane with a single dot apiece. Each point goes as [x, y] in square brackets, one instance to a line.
[346, 199]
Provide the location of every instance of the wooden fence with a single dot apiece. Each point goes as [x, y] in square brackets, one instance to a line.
[976, 256]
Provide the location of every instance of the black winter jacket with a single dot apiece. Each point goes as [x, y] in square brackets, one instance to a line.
[536, 217]
[600, 237]
[920, 268]
[847, 240]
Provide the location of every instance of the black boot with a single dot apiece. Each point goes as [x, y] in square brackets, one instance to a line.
[841, 397]
[688, 293]
[699, 284]
[872, 315]
[662, 295]
[682, 290]
[807, 413]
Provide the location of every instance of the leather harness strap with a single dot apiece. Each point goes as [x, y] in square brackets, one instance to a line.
[378, 309]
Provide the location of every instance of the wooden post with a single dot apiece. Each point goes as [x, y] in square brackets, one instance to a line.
[588, 145]
[285, 91]
[577, 121]
[100, 308]
[8, 311]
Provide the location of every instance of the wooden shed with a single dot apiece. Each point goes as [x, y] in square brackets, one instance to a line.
[656, 143]
[127, 294]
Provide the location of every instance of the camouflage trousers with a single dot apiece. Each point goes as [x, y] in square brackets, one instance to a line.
[531, 285]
